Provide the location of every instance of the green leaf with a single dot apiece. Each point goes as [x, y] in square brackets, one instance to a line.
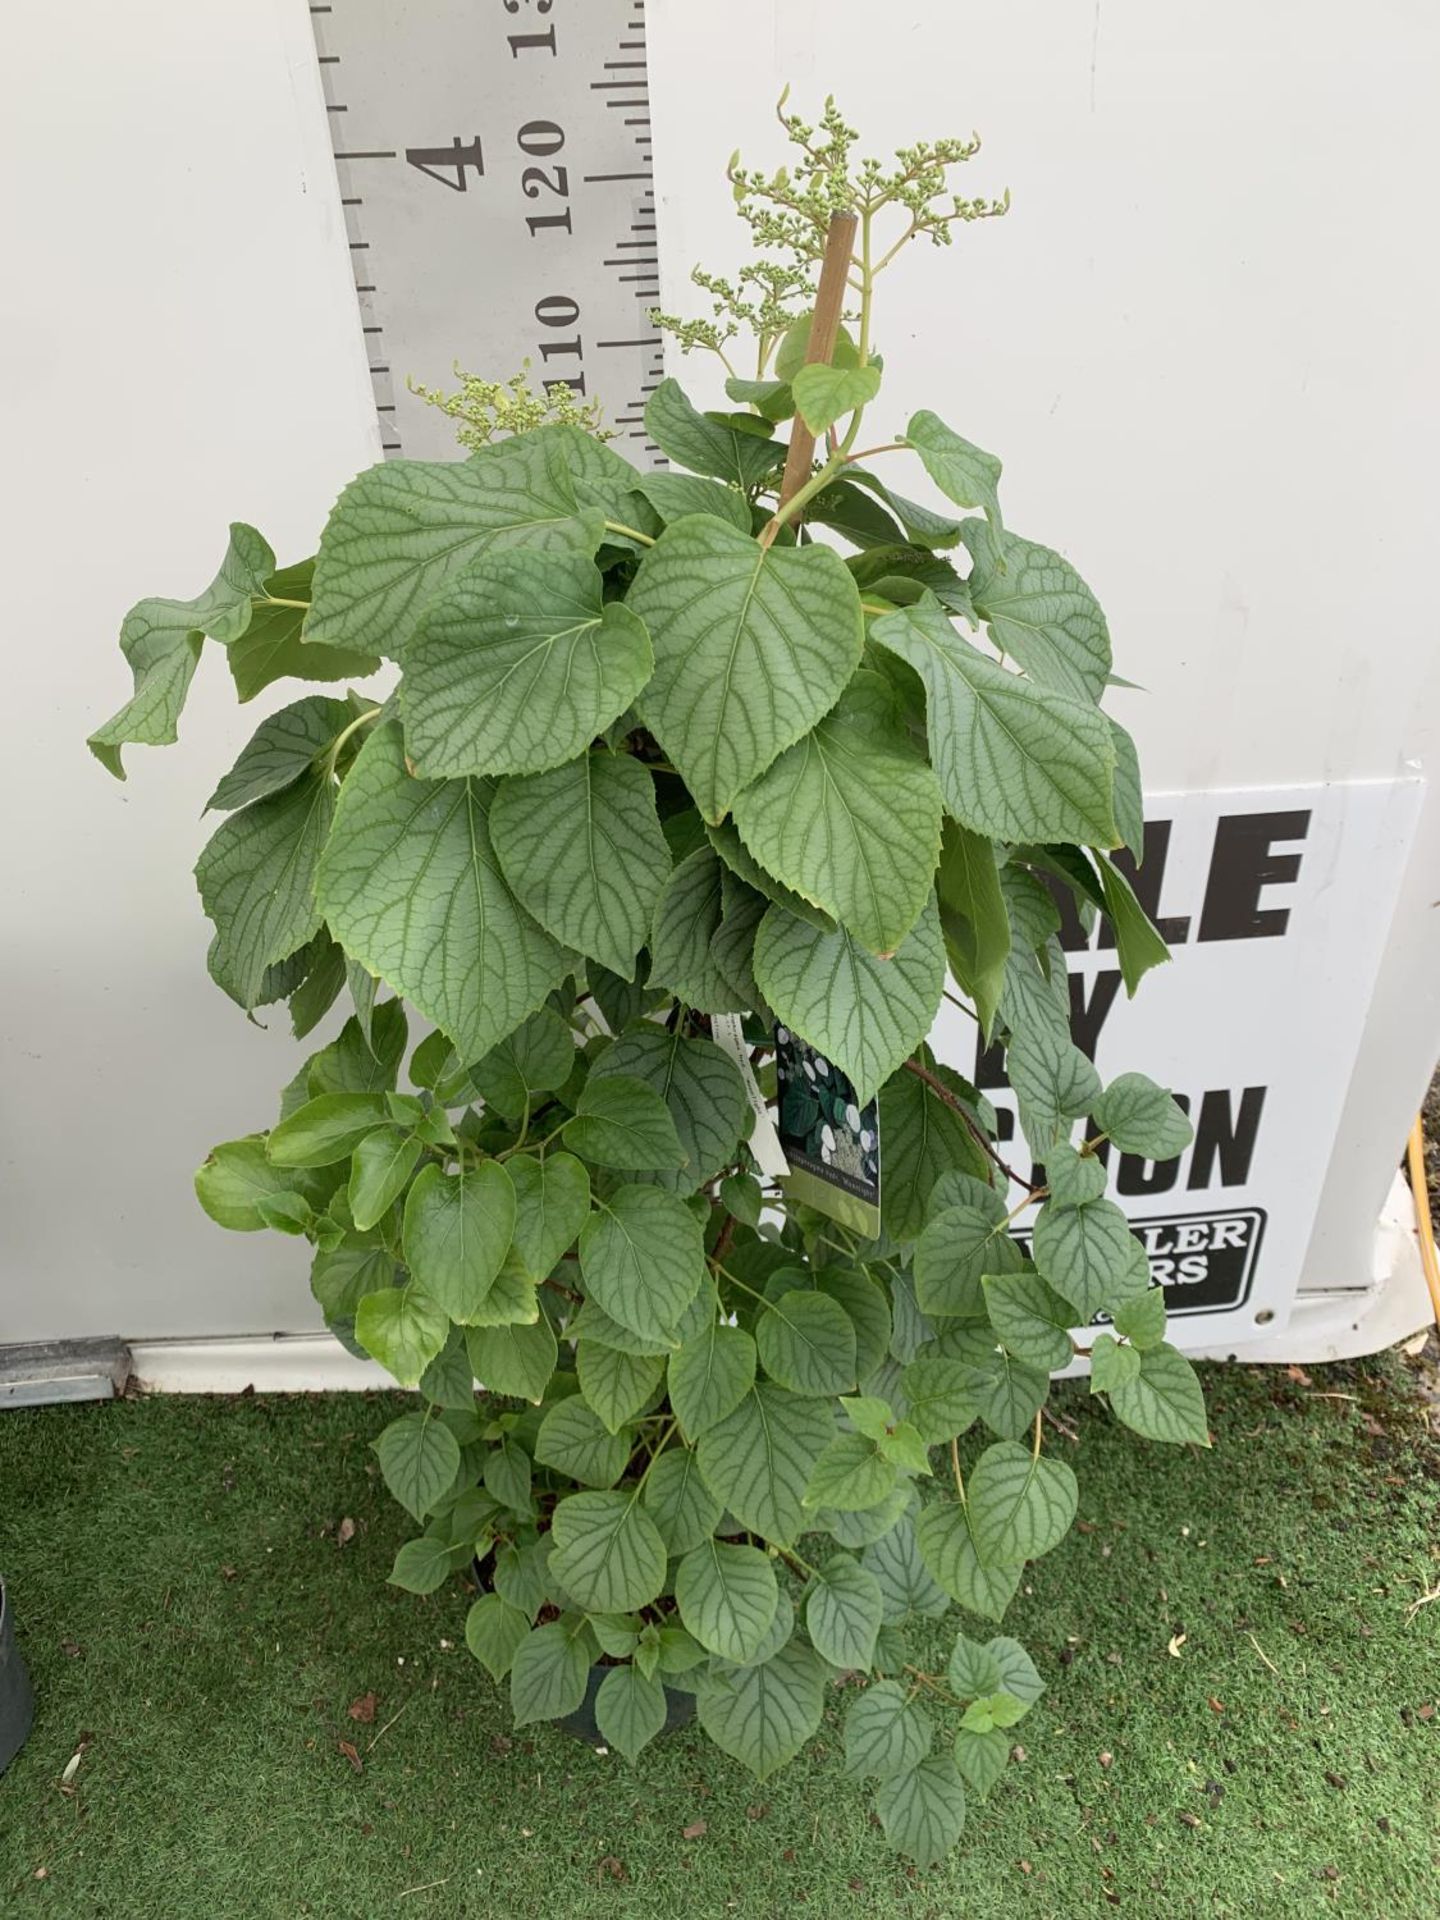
[864, 1015]
[727, 1596]
[1015, 761]
[517, 665]
[824, 393]
[752, 645]
[629, 1710]
[763, 1715]
[419, 1459]
[1138, 945]
[885, 1732]
[256, 877]
[742, 1195]
[851, 1475]
[961, 471]
[517, 1359]
[161, 641]
[1142, 1320]
[693, 440]
[508, 1479]
[973, 1669]
[538, 1058]
[361, 1059]
[511, 1301]
[552, 1204]
[1089, 1255]
[403, 1330]
[1164, 1401]
[1018, 1676]
[411, 888]
[923, 1811]
[673, 495]
[807, 1343]
[642, 1256]
[623, 1122]
[617, 1385]
[607, 1553]
[924, 1137]
[905, 1584]
[550, 1670]
[972, 917]
[1142, 1118]
[326, 1130]
[448, 1381]
[687, 921]
[1019, 1504]
[709, 1376]
[849, 817]
[981, 1757]
[1038, 610]
[843, 1613]
[421, 1566]
[573, 1440]
[1007, 1392]
[683, 1508]
[1051, 1077]
[923, 526]
[868, 1308]
[340, 1278]
[943, 1535]
[280, 751]
[758, 1460]
[941, 1397]
[726, 841]
[1129, 800]
[794, 345]
[1111, 1365]
[457, 1232]
[1073, 1178]
[1030, 1319]
[379, 1169]
[494, 1631]
[404, 528]
[273, 647]
[772, 399]
[953, 1255]
[582, 848]
[319, 990]
[701, 1086]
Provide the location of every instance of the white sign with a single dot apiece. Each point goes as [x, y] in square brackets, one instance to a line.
[1276, 904]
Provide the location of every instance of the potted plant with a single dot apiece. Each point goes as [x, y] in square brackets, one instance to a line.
[677, 810]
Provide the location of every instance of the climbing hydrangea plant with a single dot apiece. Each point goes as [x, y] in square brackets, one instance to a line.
[667, 781]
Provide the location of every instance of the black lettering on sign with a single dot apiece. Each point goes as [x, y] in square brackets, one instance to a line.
[1148, 879]
[1225, 1138]
[440, 162]
[1088, 1010]
[1242, 865]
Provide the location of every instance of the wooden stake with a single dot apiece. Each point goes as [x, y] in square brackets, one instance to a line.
[824, 330]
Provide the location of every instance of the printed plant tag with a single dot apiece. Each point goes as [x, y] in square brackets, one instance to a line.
[764, 1143]
[832, 1143]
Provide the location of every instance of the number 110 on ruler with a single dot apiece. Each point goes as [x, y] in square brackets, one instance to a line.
[494, 166]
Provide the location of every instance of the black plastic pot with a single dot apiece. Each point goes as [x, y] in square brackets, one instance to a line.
[17, 1697]
[679, 1707]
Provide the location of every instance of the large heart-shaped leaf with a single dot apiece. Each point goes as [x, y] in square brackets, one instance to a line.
[864, 1014]
[457, 1232]
[1039, 610]
[256, 877]
[707, 446]
[1019, 1504]
[850, 817]
[710, 1374]
[518, 664]
[642, 1255]
[763, 1715]
[583, 850]
[844, 1612]
[1163, 1401]
[727, 1596]
[1089, 1255]
[607, 1553]
[961, 470]
[419, 1458]
[410, 886]
[552, 1203]
[758, 1460]
[1015, 760]
[701, 1086]
[923, 1811]
[403, 528]
[752, 645]
[885, 1731]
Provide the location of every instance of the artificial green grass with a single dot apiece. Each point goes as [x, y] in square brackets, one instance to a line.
[190, 1617]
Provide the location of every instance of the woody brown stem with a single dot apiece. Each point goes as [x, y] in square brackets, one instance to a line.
[824, 331]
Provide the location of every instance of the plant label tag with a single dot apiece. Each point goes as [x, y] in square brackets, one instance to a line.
[764, 1142]
[831, 1142]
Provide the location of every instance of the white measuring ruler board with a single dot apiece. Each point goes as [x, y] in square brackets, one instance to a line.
[494, 165]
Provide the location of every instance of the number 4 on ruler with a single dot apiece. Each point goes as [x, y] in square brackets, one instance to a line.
[439, 162]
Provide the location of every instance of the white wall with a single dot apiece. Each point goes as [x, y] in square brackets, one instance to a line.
[1202, 342]
[181, 350]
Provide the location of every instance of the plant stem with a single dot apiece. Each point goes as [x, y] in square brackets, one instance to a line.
[631, 533]
[942, 1092]
[824, 329]
[333, 757]
[269, 600]
[955, 1469]
[1035, 1449]
[867, 453]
